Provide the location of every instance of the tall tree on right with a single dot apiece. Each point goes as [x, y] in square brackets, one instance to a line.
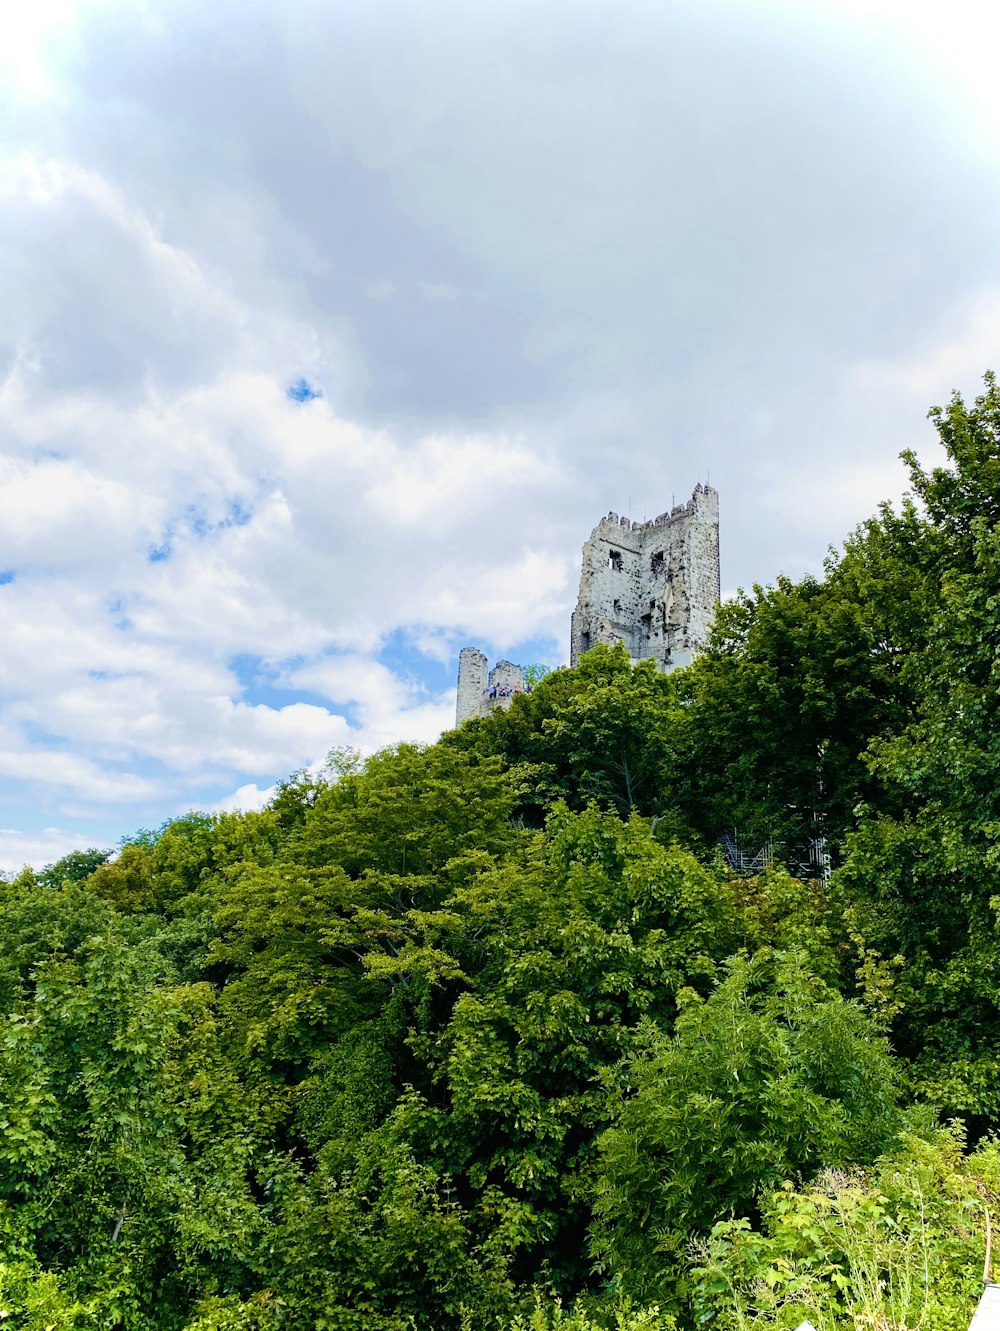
[926, 855]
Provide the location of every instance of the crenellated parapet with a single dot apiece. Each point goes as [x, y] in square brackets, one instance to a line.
[704, 503]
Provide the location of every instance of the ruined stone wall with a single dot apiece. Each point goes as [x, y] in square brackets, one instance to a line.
[703, 565]
[480, 691]
[472, 670]
[653, 586]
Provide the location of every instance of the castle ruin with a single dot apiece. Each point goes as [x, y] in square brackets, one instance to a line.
[653, 586]
[481, 690]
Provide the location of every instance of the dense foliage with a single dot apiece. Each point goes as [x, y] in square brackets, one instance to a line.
[488, 1034]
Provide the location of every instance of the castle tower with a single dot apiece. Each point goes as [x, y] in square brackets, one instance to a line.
[653, 586]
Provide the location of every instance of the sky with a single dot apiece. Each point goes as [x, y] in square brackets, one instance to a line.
[329, 331]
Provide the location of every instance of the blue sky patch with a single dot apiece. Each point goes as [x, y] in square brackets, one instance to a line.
[401, 654]
[301, 390]
[7, 575]
[117, 607]
[237, 514]
[261, 684]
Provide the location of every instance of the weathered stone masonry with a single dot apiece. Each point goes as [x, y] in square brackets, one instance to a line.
[481, 690]
[653, 586]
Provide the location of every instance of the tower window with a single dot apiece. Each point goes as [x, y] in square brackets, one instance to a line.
[647, 624]
[618, 606]
[615, 560]
[656, 563]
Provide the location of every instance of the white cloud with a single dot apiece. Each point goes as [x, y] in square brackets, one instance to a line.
[26, 31]
[40, 848]
[155, 537]
[384, 290]
[969, 340]
[954, 49]
[69, 772]
[743, 238]
[438, 291]
[388, 708]
[245, 799]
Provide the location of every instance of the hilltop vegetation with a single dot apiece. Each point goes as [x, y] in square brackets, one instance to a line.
[487, 1035]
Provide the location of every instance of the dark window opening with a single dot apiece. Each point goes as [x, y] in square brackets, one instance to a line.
[615, 561]
[647, 624]
[656, 563]
[618, 606]
[584, 642]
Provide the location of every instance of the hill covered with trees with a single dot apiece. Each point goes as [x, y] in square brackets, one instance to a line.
[487, 1034]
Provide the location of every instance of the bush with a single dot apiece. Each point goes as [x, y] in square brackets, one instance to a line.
[770, 1078]
[899, 1246]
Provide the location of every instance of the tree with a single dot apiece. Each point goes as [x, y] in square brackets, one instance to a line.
[75, 867]
[600, 732]
[925, 853]
[769, 1078]
[409, 810]
[779, 711]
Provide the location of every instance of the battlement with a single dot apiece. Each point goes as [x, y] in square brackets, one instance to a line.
[703, 505]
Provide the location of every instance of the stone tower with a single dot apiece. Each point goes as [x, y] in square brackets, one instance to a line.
[653, 586]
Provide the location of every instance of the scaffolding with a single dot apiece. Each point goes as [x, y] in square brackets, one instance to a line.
[804, 854]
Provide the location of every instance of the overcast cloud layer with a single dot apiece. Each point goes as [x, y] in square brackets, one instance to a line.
[518, 264]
